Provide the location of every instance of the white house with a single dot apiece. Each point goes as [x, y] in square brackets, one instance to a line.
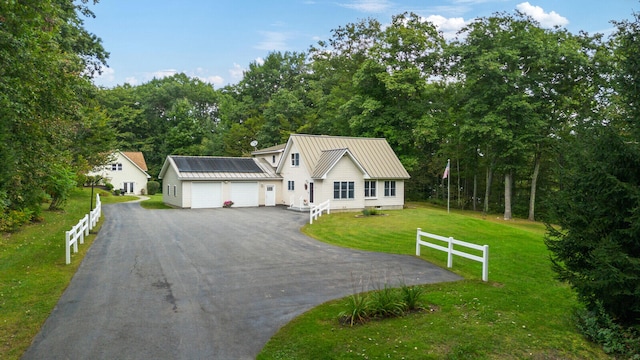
[126, 171]
[352, 172]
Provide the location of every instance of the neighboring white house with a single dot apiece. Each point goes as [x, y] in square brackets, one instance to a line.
[352, 172]
[127, 171]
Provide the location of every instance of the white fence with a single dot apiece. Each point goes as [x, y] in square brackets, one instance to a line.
[81, 229]
[316, 211]
[484, 259]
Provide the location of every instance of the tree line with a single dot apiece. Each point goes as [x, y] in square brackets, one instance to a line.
[539, 123]
[499, 101]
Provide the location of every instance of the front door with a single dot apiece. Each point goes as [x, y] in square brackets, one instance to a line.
[310, 193]
[128, 187]
[270, 195]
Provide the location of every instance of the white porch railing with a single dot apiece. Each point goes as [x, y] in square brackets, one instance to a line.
[81, 229]
[292, 203]
[316, 211]
[484, 259]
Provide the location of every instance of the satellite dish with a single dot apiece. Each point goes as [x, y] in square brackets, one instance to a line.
[254, 143]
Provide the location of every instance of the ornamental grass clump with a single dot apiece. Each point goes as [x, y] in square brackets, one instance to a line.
[383, 303]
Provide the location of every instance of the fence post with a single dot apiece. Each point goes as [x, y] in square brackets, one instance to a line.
[85, 220]
[485, 263]
[450, 253]
[67, 248]
[418, 242]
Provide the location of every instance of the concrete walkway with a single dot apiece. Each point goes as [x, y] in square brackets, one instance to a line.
[205, 284]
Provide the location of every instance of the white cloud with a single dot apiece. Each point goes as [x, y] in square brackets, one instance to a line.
[259, 60]
[236, 72]
[273, 41]
[448, 26]
[131, 80]
[545, 19]
[164, 73]
[370, 6]
[212, 79]
[108, 75]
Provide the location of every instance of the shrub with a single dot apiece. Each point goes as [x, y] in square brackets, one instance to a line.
[411, 297]
[386, 302]
[13, 219]
[357, 310]
[370, 211]
[615, 339]
[153, 187]
[108, 186]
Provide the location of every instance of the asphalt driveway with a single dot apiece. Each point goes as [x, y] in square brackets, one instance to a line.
[205, 284]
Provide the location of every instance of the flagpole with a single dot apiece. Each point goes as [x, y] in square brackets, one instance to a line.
[448, 184]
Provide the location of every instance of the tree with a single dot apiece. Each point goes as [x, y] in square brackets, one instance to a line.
[596, 244]
[522, 83]
[46, 60]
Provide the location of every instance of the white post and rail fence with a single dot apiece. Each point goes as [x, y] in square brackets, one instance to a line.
[449, 249]
[81, 229]
[316, 211]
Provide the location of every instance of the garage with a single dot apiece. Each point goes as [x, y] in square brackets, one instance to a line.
[244, 194]
[206, 195]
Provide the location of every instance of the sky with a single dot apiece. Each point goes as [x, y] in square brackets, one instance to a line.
[216, 40]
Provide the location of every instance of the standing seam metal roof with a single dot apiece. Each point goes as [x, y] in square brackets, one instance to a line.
[374, 154]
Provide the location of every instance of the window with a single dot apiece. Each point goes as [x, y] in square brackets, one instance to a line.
[390, 188]
[175, 190]
[290, 185]
[273, 159]
[116, 167]
[168, 189]
[370, 188]
[343, 190]
[295, 159]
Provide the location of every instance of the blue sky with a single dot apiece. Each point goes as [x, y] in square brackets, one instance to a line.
[215, 40]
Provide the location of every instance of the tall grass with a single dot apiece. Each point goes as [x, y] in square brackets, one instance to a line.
[522, 312]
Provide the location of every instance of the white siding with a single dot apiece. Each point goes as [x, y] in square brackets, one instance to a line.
[168, 182]
[129, 173]
[387, 202]
[344, 170]
[297, 174]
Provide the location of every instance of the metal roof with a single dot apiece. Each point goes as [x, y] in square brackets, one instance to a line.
[216, 164]
[375, 155]
[329, 159]
[202, 168]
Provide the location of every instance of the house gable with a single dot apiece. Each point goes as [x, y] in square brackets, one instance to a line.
[125, 170]
[330, 158]
[374, 155]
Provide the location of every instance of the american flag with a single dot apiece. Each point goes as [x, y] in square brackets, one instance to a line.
[446, 171]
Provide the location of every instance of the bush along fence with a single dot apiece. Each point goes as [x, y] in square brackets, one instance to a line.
[81, 229]
[484, 259]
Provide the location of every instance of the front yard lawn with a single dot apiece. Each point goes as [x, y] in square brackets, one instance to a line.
[522, 312]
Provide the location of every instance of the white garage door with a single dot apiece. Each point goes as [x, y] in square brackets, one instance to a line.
[244, 194]
[206, 195]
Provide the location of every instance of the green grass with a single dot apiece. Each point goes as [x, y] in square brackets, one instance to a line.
[33, 273]
[155, 202]
[522, 312]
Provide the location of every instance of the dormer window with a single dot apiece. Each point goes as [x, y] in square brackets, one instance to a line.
[295, 159]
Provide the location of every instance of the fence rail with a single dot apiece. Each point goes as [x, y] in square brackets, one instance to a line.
[484, 259]
[316, 211]
[82, 229]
